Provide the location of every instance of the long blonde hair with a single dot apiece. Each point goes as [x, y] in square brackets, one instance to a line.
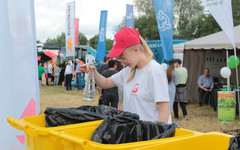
[146, 50]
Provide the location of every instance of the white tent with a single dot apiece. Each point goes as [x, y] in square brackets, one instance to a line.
[217, 40]
[196, 56]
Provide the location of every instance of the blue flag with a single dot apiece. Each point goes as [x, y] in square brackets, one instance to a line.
[129, 16]
[102, 37]
[164, 15]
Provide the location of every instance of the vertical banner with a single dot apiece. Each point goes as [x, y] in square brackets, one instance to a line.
[221, 10]
[19, 90]
[129, 16]
[164, 16]
[101, 47]
[226, 106]
[70, 29]
[76, 30]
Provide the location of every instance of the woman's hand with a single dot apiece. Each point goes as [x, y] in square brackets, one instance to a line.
[85, 68]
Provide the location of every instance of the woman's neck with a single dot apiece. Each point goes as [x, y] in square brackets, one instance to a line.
[143, 61]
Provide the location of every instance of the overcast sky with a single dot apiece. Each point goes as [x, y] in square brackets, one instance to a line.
[50, 16]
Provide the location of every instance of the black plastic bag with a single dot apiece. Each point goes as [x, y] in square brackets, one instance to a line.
[65, 116]
[234, 143]
[122, 129]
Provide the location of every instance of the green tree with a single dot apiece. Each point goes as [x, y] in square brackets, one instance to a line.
[94, 41]
[60, 39]
[82, 39]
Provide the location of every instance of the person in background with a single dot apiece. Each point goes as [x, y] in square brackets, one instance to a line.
[100, 69]
[172, 82]
[40, 73]
[49, 70]
[56, 74]
[78, 75]
[110, 95]
[143, 81]
[46, 72]
[69, 74]
[205, 84]
[181, 90]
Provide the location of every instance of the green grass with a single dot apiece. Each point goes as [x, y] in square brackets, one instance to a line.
[202, 119]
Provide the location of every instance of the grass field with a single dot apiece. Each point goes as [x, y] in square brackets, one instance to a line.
[202, 119]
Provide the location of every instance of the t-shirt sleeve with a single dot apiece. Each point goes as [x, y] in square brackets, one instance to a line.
[118, 78]
[159, 85]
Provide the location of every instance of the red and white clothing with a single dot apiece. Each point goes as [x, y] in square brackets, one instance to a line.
[141, 95]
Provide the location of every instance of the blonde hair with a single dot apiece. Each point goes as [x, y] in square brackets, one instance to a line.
[146, 50]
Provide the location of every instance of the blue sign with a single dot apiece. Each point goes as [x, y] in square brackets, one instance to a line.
[102, 36]
[156, 47]
[164, 16]
[129, 16]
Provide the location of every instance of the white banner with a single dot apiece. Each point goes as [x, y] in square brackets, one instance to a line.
[178, 51]
[19, 85]
[221, 10]
[70, 28]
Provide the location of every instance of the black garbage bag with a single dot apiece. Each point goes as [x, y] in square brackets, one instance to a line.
[65, 116]
[234, 143]
[122, 129]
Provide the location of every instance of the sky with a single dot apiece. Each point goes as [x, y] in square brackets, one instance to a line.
[50, 16]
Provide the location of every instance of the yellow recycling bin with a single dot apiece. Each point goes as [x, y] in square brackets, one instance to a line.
[77, 136]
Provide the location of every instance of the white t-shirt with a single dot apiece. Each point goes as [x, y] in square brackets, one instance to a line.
[49, 68]
[141, 95]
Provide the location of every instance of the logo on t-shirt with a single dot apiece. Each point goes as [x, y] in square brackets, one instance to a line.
[135, 88]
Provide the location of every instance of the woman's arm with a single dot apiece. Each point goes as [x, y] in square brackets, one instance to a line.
[101, 81]
[164, 108]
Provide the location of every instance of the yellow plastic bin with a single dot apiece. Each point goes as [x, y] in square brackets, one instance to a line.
[76, 136]
[37, 135]
[79, 139]
[207, 141]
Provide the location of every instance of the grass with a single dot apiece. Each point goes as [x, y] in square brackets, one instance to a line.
[202, 119]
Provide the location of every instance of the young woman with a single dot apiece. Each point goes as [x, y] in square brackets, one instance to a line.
[143, 81]
[172, 82]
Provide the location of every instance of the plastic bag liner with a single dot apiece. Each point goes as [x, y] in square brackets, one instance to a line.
[234, 143]
[65, 116]
[122, 129]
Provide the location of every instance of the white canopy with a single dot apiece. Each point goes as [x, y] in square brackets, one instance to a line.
[217, 40]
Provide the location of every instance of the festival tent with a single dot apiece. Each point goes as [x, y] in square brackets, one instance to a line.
[208, 52]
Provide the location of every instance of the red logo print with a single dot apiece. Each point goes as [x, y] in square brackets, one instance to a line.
[135, 88]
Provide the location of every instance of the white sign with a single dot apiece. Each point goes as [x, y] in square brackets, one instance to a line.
[178, 51]
[70, 28]
[19, 89]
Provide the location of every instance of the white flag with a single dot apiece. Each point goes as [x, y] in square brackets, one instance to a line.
[70, 28]
[19, 86]
[221, 10]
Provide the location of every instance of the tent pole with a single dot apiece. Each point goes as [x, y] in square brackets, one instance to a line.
[237, 79]
[228, 79]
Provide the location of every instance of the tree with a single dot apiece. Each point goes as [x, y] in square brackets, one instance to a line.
[94, 41]
[82, 39]
[186, 11]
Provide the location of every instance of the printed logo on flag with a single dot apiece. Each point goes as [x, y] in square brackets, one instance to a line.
[101, 34]
[130, 16]
[164, 21]
[69, 44]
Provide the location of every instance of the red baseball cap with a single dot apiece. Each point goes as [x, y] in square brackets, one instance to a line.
[124, 38]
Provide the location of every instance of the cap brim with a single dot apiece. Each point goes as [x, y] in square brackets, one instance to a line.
[115, 52]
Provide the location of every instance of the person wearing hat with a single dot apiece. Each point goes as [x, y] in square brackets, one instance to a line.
[143, 81]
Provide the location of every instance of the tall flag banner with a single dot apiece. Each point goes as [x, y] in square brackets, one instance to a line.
[221, 10]
[76, 30]
[70, 28]
[164, 16]
[101, 47]
[19, 90]
[129, 16]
